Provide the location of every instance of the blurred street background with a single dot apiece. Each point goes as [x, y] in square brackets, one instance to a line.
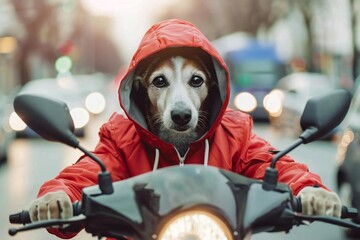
[280, 53]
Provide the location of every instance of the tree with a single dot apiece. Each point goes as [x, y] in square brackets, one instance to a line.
[46, 36]
[217, 18]
[355, 20]
[34, 15]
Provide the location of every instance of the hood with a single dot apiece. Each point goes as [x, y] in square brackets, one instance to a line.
[160, 37]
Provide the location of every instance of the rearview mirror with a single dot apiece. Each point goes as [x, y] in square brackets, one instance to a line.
[50, 118]
[323, 113]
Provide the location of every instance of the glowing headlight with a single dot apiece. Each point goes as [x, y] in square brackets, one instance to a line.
[16, 123]
[95, 103]
[80, 116]
[197, 225]
[273, 102]
[245, 102]
[346, 139]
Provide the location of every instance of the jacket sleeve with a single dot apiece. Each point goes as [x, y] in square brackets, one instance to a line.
[85, 171]
[256, 156]
[71, 180]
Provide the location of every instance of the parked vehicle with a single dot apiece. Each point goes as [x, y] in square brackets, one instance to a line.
[218, 205]
[84, 94]
[348, 158]
[288, 99]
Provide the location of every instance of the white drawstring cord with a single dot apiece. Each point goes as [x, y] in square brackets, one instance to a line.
[156, 162]
[206, 155]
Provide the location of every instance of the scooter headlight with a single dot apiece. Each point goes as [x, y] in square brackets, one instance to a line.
[195, 225]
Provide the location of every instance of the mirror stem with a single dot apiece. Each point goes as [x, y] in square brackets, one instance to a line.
[308, 134]
[93, 157]
[280, 154]
[271, 173]
[104, 177]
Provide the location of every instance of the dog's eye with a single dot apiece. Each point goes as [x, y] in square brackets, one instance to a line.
[160, 82]
[196, 81]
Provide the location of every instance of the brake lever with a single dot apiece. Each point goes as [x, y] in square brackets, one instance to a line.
[48, 223]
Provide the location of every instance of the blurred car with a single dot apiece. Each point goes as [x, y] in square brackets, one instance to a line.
[84, 95]
[348, 159]
[255, 69]
[6, 134]
[288, 99]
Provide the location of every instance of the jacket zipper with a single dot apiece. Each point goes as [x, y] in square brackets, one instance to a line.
[181, 159]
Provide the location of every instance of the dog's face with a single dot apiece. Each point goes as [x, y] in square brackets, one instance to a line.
[176, 89]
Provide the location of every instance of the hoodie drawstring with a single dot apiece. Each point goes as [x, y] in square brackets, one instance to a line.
[206, 156]
[156, 162]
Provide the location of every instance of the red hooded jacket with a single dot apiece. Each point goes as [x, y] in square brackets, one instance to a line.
[128, 148]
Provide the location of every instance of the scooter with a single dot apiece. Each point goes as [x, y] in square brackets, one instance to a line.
[184, 202]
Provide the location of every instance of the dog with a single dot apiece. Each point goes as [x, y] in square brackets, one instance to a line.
[176, 88]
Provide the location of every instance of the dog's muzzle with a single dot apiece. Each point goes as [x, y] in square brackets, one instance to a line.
[181, 117]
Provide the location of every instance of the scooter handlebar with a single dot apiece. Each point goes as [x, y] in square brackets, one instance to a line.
[23, 217]
[346, 212]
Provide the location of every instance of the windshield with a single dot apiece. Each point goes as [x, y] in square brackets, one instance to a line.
[255, 74]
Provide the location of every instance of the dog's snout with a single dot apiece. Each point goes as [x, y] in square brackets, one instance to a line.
[181, 116]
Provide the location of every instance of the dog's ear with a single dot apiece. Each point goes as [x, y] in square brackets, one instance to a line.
[138, 82]
[143, 69]
[139, 87]
[139, 94]
[206, 62]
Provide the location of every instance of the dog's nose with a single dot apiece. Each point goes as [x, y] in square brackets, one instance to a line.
[181, 116]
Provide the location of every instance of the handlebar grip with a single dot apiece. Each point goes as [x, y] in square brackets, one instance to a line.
[23, 217]
[346, 212]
